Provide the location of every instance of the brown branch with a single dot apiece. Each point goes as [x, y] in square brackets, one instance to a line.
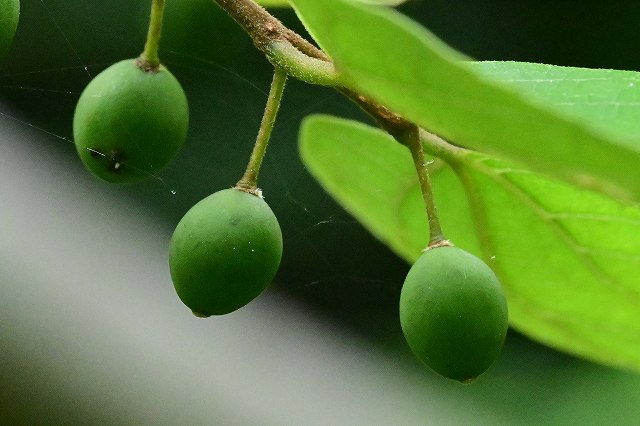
[264, 29]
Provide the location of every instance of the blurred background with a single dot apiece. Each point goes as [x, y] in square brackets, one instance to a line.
[91, 330]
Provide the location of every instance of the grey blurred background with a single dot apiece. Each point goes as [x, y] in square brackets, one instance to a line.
[90, 328]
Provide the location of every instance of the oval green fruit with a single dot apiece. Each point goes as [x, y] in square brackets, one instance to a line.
[9, 14]
[453, 313]
[130, 122]
[224, 252]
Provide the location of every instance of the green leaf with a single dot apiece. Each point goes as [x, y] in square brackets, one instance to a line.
[397, 62]
[383, 2]
[273, 3]
[606, 100]
[568, 258]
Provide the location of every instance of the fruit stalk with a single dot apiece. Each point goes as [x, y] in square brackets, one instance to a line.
[411, 139]
[249, 181]
[149, 56]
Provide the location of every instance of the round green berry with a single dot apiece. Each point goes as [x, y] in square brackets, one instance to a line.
[9, 14]
[453, 313]
[130, 121]
[224, 252]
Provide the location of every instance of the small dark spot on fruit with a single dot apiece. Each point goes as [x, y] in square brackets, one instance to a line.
[115, 162]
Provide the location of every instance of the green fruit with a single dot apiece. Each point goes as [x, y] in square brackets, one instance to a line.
[130, 122]
[453, 313]
[9, 14]
[224, 252]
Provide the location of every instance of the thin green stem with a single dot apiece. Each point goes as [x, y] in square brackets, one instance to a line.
[149, 57]
[306, 68]
[249, 181]
[411, 139]
[438, 147]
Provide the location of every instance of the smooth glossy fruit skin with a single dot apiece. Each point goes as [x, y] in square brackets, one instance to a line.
[129, 123]
[453, 313]
[224, 252]
[9, 14]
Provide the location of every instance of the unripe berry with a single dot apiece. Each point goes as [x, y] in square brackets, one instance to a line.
[224, 252]
[130, 121]
[9, 14]
[453, 313]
